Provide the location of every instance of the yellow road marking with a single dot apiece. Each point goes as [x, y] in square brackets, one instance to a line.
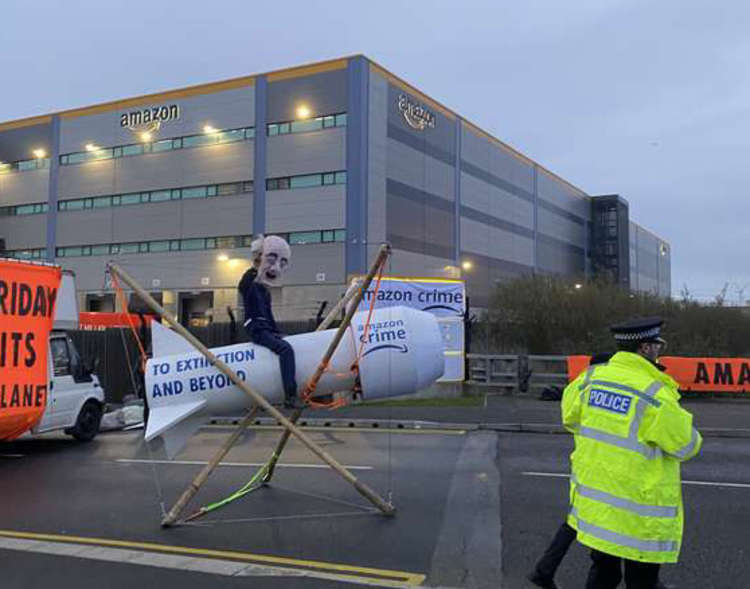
[344, 570]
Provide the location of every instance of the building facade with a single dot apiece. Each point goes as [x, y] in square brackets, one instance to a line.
[336, 156]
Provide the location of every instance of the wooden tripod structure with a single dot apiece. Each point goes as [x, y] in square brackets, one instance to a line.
[354, 296]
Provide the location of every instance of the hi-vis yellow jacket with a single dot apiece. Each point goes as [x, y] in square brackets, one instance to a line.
[630, 436]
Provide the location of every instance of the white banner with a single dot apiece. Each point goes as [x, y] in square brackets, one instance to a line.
[444, 298]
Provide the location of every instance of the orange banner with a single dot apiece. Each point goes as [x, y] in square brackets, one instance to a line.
[715, 375]
[28, 293]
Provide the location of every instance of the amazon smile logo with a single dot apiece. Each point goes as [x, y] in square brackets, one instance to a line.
[416, 115]
[403, 348]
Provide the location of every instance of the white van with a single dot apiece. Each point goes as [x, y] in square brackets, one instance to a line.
[75, 399]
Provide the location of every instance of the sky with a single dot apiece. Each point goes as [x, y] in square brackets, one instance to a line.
[647, 99]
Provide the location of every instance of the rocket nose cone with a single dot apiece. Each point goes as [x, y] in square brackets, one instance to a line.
[427, 342]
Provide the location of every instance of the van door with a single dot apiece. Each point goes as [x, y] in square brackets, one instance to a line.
[70, 385]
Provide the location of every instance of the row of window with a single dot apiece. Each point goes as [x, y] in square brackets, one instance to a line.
[305, 125]
[209, 191]
[306, 181]
[132, 198]
[176, 245]
[36, 208]
[187, 141]
[107, 153]
[39, 163]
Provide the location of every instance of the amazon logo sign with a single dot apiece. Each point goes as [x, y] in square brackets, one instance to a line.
[384, 335]
[439, 298]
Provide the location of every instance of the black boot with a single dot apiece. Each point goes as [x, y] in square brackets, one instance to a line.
[541, 581]
[293, 402]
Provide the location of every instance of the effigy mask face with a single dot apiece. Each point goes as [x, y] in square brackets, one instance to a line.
[274, 261]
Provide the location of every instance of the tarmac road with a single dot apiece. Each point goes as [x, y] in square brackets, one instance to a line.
[469, 502]
[69, 510]
[717, 517]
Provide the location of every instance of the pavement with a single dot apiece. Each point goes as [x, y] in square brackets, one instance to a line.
[714, 417]
[476, 499]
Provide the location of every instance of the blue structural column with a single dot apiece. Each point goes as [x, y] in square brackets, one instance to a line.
[457, 194]
[357, 164]
[54, 169]
[259, 166]
[536, 218]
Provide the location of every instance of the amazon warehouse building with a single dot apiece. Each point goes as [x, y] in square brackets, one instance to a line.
[336, 156]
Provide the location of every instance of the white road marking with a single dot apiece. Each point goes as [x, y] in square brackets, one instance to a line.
[563, 475]
[239, 464]
[11, 455]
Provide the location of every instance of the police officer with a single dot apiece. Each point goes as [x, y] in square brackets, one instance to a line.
[630, 437]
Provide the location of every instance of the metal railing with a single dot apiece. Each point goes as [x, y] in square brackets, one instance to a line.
[513, 373]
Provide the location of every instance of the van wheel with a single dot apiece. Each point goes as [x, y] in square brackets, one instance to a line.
[87, 423]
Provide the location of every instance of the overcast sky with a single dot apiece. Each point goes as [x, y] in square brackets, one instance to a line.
[646, 98]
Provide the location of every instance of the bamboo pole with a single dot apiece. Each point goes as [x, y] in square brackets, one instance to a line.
[206, 471]
[355, 293]
[361, 487]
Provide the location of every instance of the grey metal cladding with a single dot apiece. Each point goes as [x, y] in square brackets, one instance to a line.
[551, 224]
[558, 258]
[306, 153]
[227, 109]
[23, 232]
[486, 273]
[211, 164]
[482, 154]
[559, 194]
[225, 215]
[481, 217]
[496, 242]
[420, 247]
[323, 93]
[20, 143]
[408, 137]
[438, 142]
[378, 159]
[140, 223]
[303, 209]
[494, 180]
[414, 168]
[309, 260]
[86, 227]
[24, 187]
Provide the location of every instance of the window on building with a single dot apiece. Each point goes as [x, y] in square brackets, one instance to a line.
[308, 181]
[198, 140]
[304, 237]
[306, 125]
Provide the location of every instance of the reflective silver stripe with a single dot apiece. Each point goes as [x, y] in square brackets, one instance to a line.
[628, 443]
[640, 394]
[246, 323]
[587, 378]
[689, 447]
[626, 504]
[640, 409]
[622, 539]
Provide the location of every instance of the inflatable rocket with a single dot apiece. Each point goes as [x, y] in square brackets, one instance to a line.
[400, 352]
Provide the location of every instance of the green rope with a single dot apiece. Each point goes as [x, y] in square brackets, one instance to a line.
[254, 483]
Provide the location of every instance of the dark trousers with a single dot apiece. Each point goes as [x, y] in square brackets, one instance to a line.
[606, 572]
[552, 557]
[273, 341]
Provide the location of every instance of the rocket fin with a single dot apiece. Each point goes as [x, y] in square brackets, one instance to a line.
[175, 424]
[165, 342]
